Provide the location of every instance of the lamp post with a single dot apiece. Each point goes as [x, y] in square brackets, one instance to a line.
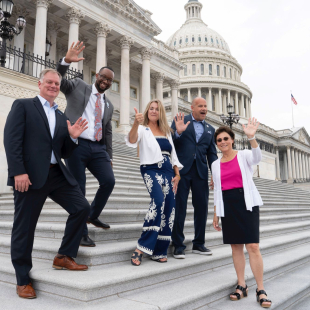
[48, 45]
[8, 31]
[232, 118]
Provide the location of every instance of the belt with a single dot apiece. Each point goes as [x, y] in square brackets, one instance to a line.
[53, 165]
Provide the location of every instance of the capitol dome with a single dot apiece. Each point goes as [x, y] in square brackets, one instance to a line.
[210, 71]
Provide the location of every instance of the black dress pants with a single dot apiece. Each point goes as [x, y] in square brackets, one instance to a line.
[93, 156]
[200, 196]
[28, 206]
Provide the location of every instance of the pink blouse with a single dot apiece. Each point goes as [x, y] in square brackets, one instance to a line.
[231, 175]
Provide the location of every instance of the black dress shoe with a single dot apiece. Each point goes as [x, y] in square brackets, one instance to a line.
[178, 253]
[201, 249]
[86, 241]
[98, 223]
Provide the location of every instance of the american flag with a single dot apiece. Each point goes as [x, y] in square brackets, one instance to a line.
[293, 99]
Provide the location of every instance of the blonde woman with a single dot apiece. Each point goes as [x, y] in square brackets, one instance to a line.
[160, 171]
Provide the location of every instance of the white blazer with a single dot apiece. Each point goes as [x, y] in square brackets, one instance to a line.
[246, 160]
[149, 149]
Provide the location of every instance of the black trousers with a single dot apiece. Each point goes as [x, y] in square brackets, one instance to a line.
[200, 196]
[28, 206]
[93, 156]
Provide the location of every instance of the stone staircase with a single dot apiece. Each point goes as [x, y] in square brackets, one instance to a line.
[197, 282]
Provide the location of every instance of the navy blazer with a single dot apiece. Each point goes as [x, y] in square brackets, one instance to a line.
[28, 142]
[186, 148]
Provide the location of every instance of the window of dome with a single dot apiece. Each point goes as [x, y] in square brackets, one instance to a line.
[180, 40]
[193, 39]
[186, 40]
[199, 38]
[202, 69]
[217, 41]
[193, 69]
[185, 70]
[210, 69]
[206, 39]
[224, 71]
[175, 42]
[230, 73]
[218, 70]
[211, 40]
[213, 103]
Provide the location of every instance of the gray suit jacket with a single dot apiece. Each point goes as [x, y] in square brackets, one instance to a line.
[77, 93]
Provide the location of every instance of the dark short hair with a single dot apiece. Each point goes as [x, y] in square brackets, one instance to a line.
[106, 67]
[224, 129]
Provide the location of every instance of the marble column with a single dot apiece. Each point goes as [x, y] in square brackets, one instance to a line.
[297, 165]
[242, 110]
[278, 176]
[301, 176]
[225, 104]
[289, 165]
[159, 78]
[199, 92]
[139, 69]
[75, 16]
[40, 33]
[250, 108]
[220, 104]
[303, 165]
[174, 97]
[308, 161]
[247, 109]
[209, 103]
[189, 96]
[146, 54]
[306, 166]
[236, 103]
[52, 30]
[293, 164]
[124, 126]
[102, 30]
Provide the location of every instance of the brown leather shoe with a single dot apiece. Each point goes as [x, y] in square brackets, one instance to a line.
[66, 262]
[26, 291]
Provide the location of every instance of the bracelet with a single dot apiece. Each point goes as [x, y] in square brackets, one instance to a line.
[251, 138]
[177, 175]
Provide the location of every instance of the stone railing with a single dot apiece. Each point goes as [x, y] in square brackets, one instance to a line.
[160, 45]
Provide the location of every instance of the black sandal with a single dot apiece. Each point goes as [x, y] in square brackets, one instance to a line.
[244, 291]
[263, 299]
[136, 255]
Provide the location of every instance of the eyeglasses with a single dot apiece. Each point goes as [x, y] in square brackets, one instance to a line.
[220, 139]
[104, 78]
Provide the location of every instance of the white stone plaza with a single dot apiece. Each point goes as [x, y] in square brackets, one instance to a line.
[196, 61]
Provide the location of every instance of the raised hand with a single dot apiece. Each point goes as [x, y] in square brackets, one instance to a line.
[139, 118]
[74, 51]
[251, 128]
[76, 129]
[179, 123]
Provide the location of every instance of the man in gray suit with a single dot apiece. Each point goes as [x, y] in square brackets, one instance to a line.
[95, 144]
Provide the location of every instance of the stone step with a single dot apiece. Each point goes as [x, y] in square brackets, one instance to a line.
[131, 216]
[303, 303]
[127, 232]
[195, 279]
[112, 252]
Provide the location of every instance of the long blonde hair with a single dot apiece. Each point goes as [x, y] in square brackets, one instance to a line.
[162, 121]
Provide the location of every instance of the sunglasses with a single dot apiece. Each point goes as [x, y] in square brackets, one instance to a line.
[220, 139]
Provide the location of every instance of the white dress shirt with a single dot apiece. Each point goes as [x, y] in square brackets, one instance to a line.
[51, 117]
[246, 159]
[89, 112]
[149, 149]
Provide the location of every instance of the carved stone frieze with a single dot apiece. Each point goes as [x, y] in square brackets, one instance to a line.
[75, 15]
[146, 53]
[126, 42]
[102, 29]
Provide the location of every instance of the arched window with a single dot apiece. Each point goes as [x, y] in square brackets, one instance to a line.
[217, 41]
[199, 38]
[206, 39]
[211, 40]
[185, 70]
[224, 71]
[230, 73]
[193, 39]
[202, 69]
[193, 69]
[180, 40]
[186, 40]
[218, 70]
[210, 69]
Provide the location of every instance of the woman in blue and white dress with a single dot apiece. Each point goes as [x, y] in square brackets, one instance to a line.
[160, 171]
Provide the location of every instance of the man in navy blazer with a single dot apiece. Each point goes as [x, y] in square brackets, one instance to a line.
[194, 143]
[36, 137]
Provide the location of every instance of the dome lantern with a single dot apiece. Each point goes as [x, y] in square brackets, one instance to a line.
[193, 10]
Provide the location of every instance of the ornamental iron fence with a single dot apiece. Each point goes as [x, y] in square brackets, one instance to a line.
[32, 65]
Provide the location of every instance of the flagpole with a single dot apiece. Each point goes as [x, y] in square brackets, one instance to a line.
[292, 110]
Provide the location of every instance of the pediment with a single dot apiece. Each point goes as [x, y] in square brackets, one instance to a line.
[302, 136]
[134, 12]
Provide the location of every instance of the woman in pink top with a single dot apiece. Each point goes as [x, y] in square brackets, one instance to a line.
[237, 202]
